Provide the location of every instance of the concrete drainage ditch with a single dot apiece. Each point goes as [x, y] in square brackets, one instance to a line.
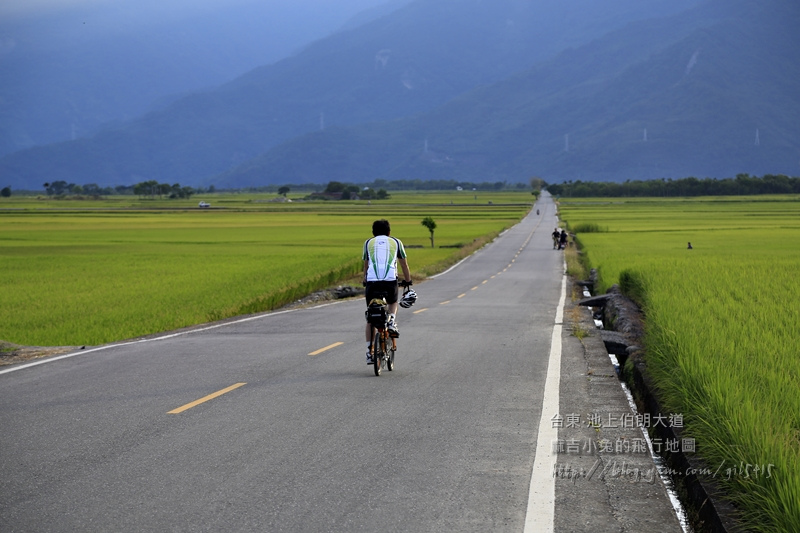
[705, 509]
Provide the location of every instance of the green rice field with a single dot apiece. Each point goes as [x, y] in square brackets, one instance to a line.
[722, 329]
[89, 272]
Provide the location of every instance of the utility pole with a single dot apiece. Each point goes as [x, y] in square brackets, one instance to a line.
[566, 142]
[758, 141]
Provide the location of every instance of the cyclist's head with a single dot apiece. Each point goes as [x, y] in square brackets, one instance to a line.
[381, 227]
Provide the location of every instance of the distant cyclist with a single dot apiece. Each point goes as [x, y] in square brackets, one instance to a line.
[381, 255]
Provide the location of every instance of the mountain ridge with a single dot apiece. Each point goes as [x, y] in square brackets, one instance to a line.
[670, 130]
[362, 85]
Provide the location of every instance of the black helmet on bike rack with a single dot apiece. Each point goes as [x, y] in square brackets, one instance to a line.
[408, 299]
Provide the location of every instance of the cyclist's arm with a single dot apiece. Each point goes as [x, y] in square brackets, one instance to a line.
[366, 267]
[404, 265]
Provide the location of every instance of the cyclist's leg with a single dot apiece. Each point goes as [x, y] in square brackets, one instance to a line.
[391, 347]
[370, 340]
[392, 299]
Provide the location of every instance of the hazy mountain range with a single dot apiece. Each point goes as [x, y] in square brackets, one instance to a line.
[67, 67]
[480, 91]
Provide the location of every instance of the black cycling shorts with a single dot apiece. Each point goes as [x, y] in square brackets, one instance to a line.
[387, 289]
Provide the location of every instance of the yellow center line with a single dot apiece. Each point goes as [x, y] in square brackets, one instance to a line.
[420, 311]
[203, 400]
[493, 276]
[484, 282]
[445, 302]
[325, 349]
[474, 288]
[462, 295]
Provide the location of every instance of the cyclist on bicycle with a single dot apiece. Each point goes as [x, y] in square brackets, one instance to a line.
[381, 255]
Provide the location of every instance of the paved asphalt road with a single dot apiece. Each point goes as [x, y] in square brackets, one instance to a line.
[303, 440]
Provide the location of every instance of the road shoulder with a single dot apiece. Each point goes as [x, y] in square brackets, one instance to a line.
[606, 479]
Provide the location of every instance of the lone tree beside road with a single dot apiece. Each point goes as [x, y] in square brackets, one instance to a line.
[429, 223]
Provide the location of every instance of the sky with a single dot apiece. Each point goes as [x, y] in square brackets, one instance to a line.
[29, 7]
[56, 24]
[36, 8]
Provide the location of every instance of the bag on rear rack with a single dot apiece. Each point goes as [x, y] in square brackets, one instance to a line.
[376, 313]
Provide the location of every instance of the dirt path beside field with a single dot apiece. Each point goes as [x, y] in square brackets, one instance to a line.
[13, 353]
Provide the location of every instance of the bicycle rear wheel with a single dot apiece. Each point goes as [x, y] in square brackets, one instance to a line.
[377, 354]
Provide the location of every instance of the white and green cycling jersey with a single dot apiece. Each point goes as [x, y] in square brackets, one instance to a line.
[382, 253]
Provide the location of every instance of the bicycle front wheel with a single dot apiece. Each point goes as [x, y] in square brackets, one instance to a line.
[390, 360]
[390, 349]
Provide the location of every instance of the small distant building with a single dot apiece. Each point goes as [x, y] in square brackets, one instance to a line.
[325, 196]
[332, 196]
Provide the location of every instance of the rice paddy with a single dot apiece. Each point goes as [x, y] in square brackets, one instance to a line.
[90, 272]
[722, 324]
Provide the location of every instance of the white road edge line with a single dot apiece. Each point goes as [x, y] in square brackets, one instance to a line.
[161, 338]
[540, 514]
